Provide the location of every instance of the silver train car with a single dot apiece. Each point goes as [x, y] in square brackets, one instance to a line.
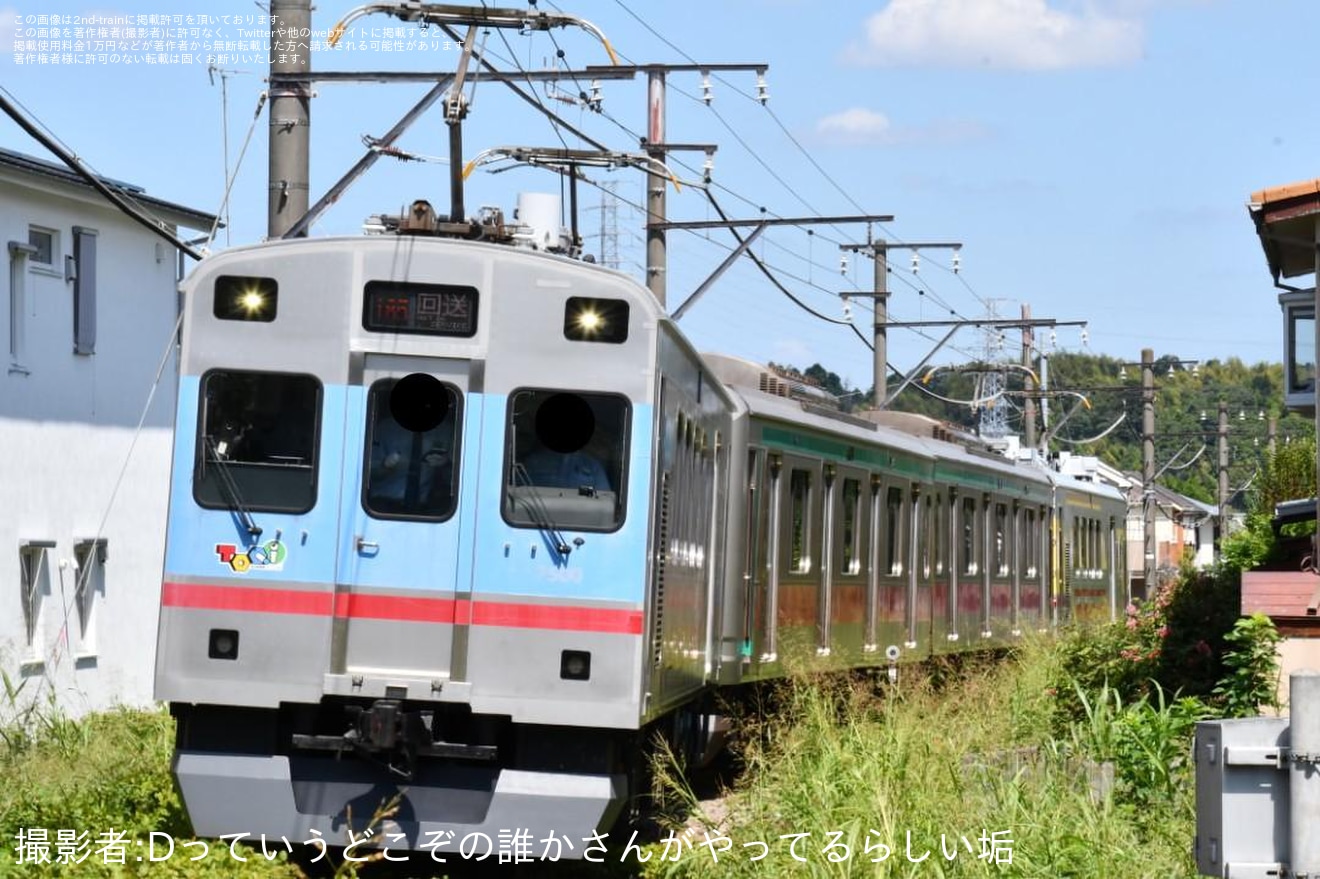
[468, 523]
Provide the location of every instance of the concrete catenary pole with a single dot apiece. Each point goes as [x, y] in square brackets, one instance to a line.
[881, 338]
[1223, 469]
[1304, 773]
[655, 185]
[290, 114]
[1028, 401]
[1148, 468]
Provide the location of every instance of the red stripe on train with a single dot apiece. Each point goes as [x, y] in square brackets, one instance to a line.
[247, 599]
[390, 607]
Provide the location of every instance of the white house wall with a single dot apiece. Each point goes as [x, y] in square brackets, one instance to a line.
[67, 422]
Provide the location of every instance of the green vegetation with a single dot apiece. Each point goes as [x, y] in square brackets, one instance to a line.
[95, 787]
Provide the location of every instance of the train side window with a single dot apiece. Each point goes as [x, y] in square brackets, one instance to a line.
[968, 528]
[799, 491]
[257, 440]
[850, 499]
[1001, 540]
[243, 298]
[941, 536]
[894, 531]
[565, 459]
[1030, 546]
[927, 537]
[411, 449]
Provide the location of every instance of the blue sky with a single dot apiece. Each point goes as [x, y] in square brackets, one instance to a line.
[1093, 157]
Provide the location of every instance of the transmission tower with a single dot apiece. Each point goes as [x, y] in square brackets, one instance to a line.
[993, 413]
[609, 225]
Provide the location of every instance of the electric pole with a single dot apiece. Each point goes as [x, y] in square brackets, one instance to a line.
[1029, 399]
[1148, 466]
[657, 148]
[1223, 469]
[290, 114]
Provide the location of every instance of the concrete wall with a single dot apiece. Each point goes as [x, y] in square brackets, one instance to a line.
[1295, 654]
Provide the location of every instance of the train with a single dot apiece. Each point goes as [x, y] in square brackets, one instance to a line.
[461, 524]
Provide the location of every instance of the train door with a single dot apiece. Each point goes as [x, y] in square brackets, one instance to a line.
[397, 581]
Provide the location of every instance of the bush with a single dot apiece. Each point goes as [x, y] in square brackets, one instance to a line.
[1252, 664]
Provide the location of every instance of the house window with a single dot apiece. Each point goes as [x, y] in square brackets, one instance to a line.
[34, 586]
[43, 242]
[90, 557]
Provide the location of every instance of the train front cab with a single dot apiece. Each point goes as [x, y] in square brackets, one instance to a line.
[468, 638]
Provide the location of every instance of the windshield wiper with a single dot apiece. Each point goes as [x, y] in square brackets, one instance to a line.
[229, 488]
[536, 509]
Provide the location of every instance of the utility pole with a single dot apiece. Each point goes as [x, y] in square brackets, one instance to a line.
[656, 258]
[879, 252]
[1148, 466]
[1223, 469]
[657, 149]
[880, 333]
[290, 114]
[1029, 400]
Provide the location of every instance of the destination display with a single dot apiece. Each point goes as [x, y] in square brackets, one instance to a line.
[426, 309]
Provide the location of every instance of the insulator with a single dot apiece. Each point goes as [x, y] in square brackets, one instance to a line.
[1086, 335]
[595, 99]
[847, 309]
[843, 263]
[705, 87]
[916, 262]
[957, 262]
[1054, 339]
[762, 94]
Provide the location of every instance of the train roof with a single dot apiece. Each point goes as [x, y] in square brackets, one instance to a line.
[769, 394]
[428, 244]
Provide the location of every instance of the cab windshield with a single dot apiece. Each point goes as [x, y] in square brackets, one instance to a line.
[565, 460]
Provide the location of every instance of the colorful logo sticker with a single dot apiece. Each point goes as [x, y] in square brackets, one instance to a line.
[268, 556]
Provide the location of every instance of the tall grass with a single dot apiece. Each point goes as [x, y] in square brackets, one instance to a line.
[107, 773]
[948, 763]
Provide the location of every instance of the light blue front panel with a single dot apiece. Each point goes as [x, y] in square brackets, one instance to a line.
[308, 538]
[516, 561]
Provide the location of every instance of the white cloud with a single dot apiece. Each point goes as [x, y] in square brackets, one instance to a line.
[997, 34]
[858, 126]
